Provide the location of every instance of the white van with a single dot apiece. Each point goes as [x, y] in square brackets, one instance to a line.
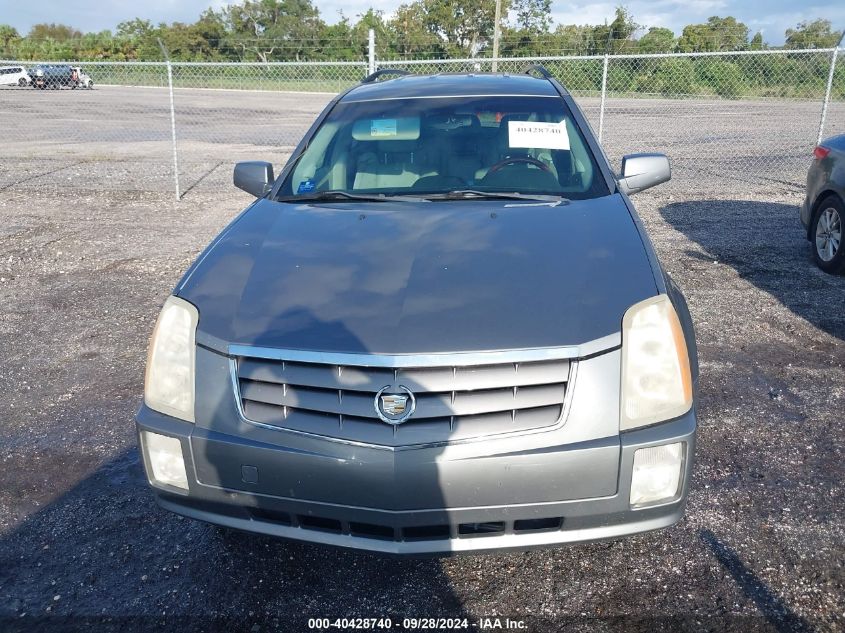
[14, 76]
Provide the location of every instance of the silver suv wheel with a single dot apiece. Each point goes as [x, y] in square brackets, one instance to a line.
[828, 234]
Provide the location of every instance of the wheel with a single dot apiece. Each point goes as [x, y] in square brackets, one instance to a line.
[826, 235]
[22, 82]
[90, 85]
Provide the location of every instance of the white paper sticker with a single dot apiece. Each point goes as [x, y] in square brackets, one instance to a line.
[538, 135]
[383, 127]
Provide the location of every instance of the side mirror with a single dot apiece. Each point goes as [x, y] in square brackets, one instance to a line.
[642, 171]
[254, 176]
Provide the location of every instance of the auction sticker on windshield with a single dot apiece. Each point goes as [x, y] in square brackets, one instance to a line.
[536, 134]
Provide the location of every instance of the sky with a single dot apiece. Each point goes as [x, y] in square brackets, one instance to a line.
[772, 17]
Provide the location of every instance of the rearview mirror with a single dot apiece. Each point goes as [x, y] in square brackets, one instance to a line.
[642, 171]
[254, 176]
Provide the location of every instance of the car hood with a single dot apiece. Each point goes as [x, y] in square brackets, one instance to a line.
[405, 277]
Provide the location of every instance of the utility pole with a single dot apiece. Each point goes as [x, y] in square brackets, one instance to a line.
[496, 35]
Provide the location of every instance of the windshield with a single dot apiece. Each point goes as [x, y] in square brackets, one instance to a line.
[415, 147]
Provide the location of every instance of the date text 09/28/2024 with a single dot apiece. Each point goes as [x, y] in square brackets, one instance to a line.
[418, 624]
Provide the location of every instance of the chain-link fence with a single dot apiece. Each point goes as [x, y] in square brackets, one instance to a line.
[148, 125]
[141, 126]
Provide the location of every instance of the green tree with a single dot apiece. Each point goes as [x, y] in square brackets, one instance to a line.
[372, 19]
[657, 40]
[815, 34]
[465, 25]
[615, 37]
[757, 43]
[717, 34]
[572, 39]
[9, 37]
[274, 29]
[142, 36]
[412, 36]
[58, 32]
[338, 41]
[533, 16]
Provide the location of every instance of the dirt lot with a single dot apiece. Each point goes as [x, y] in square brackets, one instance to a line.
[84, 269]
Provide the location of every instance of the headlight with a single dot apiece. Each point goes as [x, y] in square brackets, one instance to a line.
[656, 380]
[169, 384]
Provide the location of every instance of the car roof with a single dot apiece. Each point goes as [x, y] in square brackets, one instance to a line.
[452, 85]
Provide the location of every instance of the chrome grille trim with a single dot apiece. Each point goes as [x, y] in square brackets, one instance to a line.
[456, 403]
[391, 361]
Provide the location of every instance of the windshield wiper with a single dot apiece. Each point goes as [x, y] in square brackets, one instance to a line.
[326, 196]
[469, 194]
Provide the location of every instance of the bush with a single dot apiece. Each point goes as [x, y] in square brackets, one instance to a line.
[674, 76]
[578, 75]
[724, 78]
[619, 78]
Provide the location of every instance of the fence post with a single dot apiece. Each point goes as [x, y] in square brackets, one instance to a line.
[827, 91]
[603, 95]
[172, 119]
[496, 36]
[371, 66]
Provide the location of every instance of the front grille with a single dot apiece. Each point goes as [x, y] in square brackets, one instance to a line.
[452, 402]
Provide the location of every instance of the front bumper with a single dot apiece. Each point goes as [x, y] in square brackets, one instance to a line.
[442, 529]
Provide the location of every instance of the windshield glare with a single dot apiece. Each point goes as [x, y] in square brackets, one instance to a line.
[415, 147]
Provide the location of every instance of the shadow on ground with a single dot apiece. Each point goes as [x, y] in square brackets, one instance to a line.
[772, 606]
[104, 555]
[766, 245]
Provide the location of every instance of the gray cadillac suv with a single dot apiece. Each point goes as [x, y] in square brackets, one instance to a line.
[442, 328]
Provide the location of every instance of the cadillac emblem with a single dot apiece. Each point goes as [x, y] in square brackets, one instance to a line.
[394, 404]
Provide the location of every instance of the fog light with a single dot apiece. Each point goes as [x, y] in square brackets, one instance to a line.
[657, 473]
[166, 462]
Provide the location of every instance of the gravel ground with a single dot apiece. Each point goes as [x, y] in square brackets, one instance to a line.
[83, 272]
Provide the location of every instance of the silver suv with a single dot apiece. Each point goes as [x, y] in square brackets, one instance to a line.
[442, 328]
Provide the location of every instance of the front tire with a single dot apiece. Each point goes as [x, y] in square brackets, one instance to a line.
[22, 82]
[826, 232]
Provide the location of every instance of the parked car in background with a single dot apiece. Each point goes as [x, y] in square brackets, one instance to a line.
[52, 76]
[14, 76]
[442, 328]
[83, 79]
[823, 211]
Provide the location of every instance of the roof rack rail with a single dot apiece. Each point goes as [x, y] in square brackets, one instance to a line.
[539, 69]
[384, 71]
